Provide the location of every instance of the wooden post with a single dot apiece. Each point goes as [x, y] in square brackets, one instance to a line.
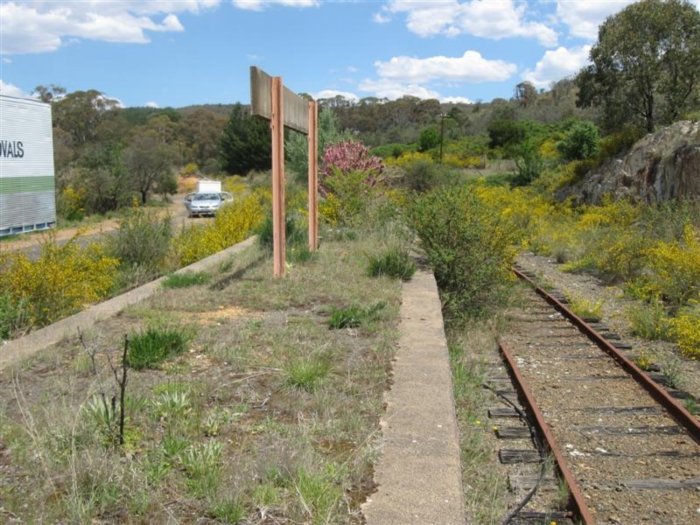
[313, 176]
[278, 222]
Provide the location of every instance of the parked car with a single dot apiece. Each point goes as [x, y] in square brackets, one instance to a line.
[204, 203]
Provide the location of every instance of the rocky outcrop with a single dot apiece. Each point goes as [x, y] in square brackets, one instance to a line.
[662, 166]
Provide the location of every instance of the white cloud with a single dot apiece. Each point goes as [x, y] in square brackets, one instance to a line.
[402, 75]
[6, 60]
[557, 64]
[332, 93]
[456, 100]
[493, 19]
[12, 90]
[259, 5]
[584, 16]
[44, 26]
[151, 104]
[384, 88]
[470, 67]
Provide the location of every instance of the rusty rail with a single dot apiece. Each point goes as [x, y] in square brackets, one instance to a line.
[675, 409]
[577, 502]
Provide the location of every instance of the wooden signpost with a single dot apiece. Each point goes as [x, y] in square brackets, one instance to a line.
[283, 108]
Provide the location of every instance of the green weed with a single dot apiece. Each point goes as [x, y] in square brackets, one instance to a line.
[186, 279]
[395, 263]
[147, 349]
[649, 320]
[354, 316]
[307, 373]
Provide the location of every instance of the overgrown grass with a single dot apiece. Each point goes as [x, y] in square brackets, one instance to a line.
[154, 345]
[354, 316]
[395, 263]
[265, 409]
[186, 279]
[591, 311]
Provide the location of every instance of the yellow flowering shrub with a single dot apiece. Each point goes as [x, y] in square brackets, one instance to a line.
[329, 210]
[464, 161]
[548, 149]
[408, 157]
[235, 185]
[675, 269]
[233, 223]
[686, 331]
[61, 281]
[189, 169]
[527, 215]
[72, 203]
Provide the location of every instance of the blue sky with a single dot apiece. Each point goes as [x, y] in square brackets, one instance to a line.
[181, 52]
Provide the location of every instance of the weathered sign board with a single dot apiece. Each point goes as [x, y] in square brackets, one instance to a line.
[296, 108]
[283, 108]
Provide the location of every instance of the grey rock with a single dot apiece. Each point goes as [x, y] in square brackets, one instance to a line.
[662, 166]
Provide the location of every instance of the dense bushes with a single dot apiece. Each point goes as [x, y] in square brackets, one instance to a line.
[580, 142]
[58, 283]
[654, 252]
[469, 251]
[233, 223]
[143, 240]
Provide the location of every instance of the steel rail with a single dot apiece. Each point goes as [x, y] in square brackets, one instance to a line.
[576, 498]
[675, 409]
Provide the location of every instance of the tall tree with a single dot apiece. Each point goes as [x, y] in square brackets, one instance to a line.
[246, 143]
[80, 113]
[148, 161]
[646, 64]
[296, 146]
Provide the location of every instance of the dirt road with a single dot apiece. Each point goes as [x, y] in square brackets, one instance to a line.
[31, 243]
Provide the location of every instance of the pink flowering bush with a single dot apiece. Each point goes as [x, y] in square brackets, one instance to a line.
[347, 157]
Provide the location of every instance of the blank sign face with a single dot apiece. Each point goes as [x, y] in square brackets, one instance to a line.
[295, 109]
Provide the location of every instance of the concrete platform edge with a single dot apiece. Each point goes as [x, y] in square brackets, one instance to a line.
[419, 473]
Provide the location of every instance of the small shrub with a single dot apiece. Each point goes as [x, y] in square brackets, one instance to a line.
[228, 511]
[71, 203]
[199, 460]
[13, 316]
[469, 248]
[685, 330]
[143, 239]
[186, 279]
[675, 269]
[644, 361]
[148, 348]
[649, 320]
[589, 310]
[353, 316]
[581, 141]
[319, 495]
[307, 373]
[349, 194]
[394, 263]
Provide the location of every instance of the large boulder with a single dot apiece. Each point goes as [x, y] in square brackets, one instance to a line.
[662, 166]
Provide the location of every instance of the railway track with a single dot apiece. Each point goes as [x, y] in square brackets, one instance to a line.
[622, 448]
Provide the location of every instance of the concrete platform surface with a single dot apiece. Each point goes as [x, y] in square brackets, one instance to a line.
[419, 473]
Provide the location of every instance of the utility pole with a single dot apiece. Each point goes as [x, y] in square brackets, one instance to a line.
[442, 132]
